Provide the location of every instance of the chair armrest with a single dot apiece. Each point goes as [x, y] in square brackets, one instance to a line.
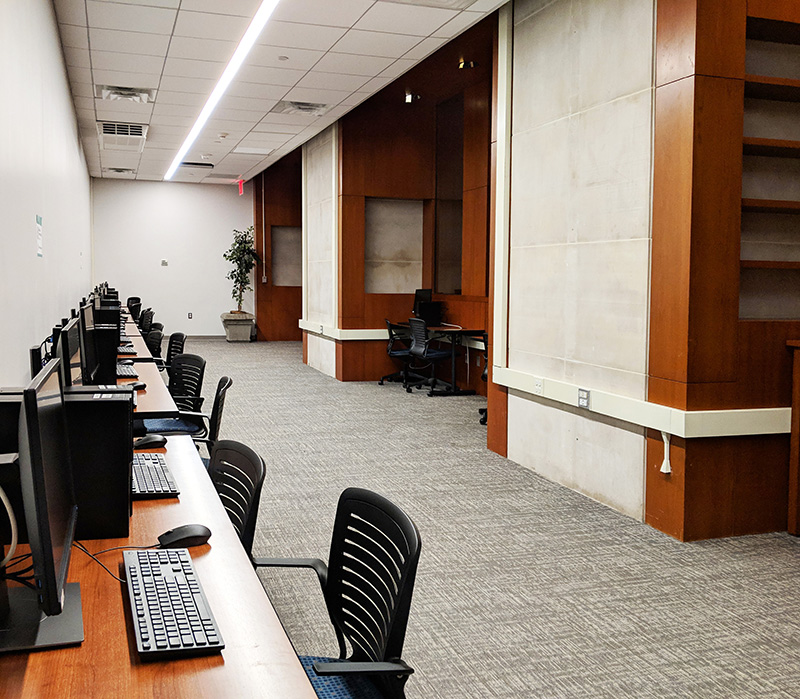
[195, 401]
[192, 414]
[319, 566]
[398, 667]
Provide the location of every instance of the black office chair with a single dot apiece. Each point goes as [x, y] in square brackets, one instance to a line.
[153, 341]
[367, 587]
[421, 349]
[146, 320]
[132, 299]
[201, 427]
[134, 309]
[484, 412]
[237, 473]
[398, 348]
[157, 326]
[174, 348]
[186, 381]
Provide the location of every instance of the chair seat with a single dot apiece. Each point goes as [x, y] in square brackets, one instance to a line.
[338, 686]
[399, 353]
[434, 354]
[171, 425]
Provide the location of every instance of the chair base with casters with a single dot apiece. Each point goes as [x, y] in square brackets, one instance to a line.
[398, 350]
[484, 413]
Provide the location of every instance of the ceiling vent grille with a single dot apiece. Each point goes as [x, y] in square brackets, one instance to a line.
[114, 93]
[120, 170]
[121, 137]
[294, 107]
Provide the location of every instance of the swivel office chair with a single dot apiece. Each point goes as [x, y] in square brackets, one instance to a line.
[367, 587]
[398, 348]
[186, 381]
[134, 309]
[153, 341]
[484, 412]
[174, 348]
[157, 326]
[237, 473]
[146, 320]
[421, 348]
[131, 300]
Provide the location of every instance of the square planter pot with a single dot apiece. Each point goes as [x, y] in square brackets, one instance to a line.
[238, 326]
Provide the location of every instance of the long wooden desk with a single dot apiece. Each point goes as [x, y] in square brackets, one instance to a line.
[258, 660]
[155, 400]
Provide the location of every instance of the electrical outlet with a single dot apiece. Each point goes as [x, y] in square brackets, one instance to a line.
[538, 387]
[584, 398]
[190, 316]
[164, 263]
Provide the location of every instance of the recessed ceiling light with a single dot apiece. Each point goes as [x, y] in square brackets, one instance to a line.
[250, 36]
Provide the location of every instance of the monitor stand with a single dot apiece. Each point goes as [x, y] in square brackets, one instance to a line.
[23, 626]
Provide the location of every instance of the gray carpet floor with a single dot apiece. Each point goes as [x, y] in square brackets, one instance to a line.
[524, 588]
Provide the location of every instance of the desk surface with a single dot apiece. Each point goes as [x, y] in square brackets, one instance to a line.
[155, 400]
[142, 353]
[258, 659]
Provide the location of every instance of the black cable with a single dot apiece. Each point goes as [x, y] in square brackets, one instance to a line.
[117, 548]
[21, 581]
[20, 572]
[78, 545]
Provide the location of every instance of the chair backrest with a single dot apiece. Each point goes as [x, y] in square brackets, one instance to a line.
[186, 380]
[399, 337]
[175, 346]
[153, 342]
[134, 309]
[156, 326]
[146, 320]
[132, 299]
[419, 337]
[237, 473]
[373, 563]
[485, 373]
[216, 410]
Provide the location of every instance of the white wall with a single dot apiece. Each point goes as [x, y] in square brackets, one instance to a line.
[320, 220]
[580, 234]
[392, 246]
[42, 172]
[137, 224]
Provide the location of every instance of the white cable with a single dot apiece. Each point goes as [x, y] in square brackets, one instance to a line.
[12, 520]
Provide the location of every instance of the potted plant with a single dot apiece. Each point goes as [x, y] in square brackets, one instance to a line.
[242, 253]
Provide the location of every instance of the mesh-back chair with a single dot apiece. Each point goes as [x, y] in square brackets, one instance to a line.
[153, 341]
[367, 587]
[237, 473]
[146, 320]
[132, 299]
[422, 350]
[484, 412]
[157, 326]
[201, 427]
[134, 309]
[174, 348]
[398, 349]
[186, 381]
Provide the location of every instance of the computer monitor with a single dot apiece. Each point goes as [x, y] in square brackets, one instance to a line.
[89, 360]
[50, 514]
[68, 351]
[421, 296]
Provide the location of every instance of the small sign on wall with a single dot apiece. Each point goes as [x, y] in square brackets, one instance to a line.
[39, 236]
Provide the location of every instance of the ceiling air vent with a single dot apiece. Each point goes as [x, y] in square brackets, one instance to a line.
[121, 137]
[293, 107]
[200, 166]
[114, 93]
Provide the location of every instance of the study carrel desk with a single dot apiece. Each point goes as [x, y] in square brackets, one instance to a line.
[258, 660]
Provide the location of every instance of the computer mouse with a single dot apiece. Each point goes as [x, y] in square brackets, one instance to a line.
[185, 536]
[125, 361]
[150, 441]
[138, 385]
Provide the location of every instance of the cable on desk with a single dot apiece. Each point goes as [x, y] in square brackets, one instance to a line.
[13, 522]
[22, 581]
[78, 545]
[117, 548]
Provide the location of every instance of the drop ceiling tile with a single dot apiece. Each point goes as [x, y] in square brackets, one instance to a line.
[272, 56]
[188, 68]
[125, 79]
[424, 49]
[254, 90]
[300, 36]
[254, 104]
[119, 110]
[235, 117]
[155, 157]
[242, 8]
[149, 176]
[341, 13]
[70, 12]
[119, 159]
[176, 110]
[400, 66]
[171, 4]
[257, 139]
[376, 43]
[83, 102]
[315, 94]
[170, 120]
[74, 37]
[487, 5]
[457, 25]
[203, 25]
[301, 120]
[202, 86]
[79, 75]
[355, 98]
[235, 129]
[83, 90]
[188, 99]
[376, 84]
[127, 62]
[77, 57]
[269, 75]
[352, 64]
[201, 49]
[267, 127]
[140, 43]
[404, 19]
[133, 18]
[332, 81]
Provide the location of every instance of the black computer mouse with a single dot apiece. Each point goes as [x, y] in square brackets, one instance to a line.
[150, 441]
[126, 362]
[184, 536]
[138, 385]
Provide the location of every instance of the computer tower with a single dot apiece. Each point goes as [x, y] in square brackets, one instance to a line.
[106, 339]
[99, 425]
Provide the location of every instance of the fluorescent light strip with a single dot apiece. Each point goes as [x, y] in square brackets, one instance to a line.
[249, 38]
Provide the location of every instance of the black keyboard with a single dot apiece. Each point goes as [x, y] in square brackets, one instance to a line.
[126, 371]
[125, 340]
[152, 478]
[126, 349]
[171, 617]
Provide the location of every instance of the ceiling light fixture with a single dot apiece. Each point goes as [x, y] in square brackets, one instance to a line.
[462, 64]
[411, 97]
[246, 43]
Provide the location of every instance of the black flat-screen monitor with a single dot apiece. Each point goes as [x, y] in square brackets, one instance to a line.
[421, 296]
[89, 360]
[46, 485]
[68, 351]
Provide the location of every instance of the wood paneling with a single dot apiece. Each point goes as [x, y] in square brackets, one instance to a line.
[699, 37]
[278, 308]
[793, 500]
[781, 10]
[474, 242]
[664, 492]
[477, 134]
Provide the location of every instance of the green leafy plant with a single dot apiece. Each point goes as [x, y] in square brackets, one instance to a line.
[242, 253]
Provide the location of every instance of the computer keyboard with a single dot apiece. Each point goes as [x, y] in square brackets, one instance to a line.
[125, 340]
[126, 371]
[152, 478]
[126, 349]
[171, 616]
